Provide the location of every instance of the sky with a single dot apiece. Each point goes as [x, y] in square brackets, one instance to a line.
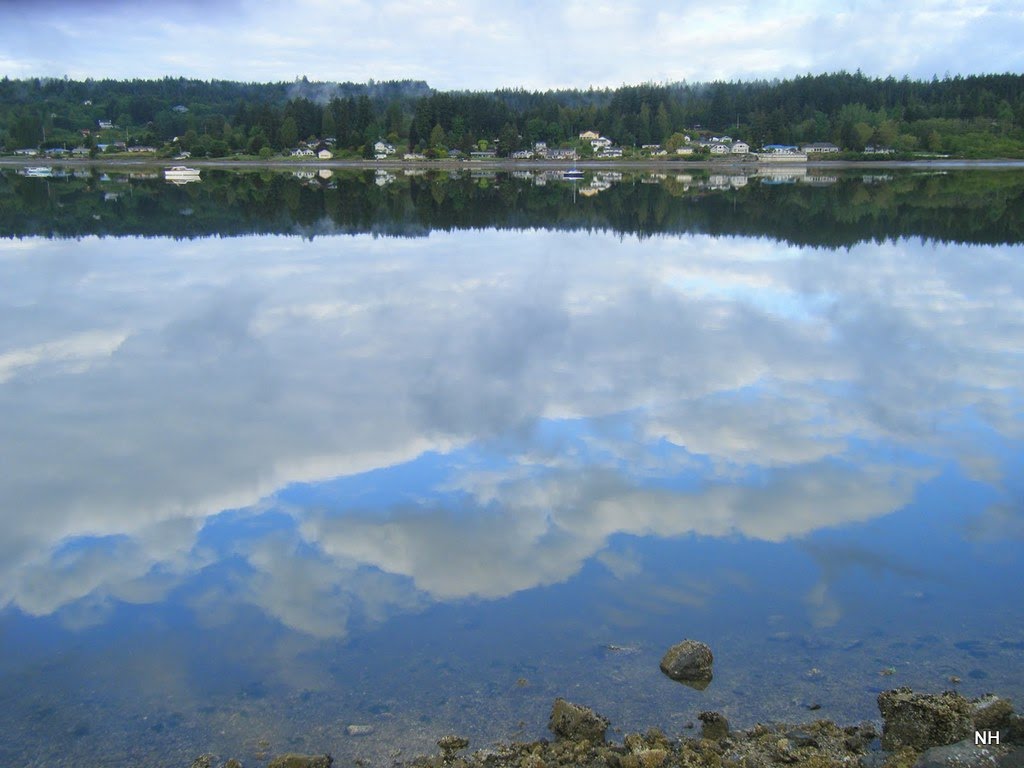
[537, 45]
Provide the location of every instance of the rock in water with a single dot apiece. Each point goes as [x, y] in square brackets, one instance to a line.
[451, 744]
[576, 722]
[991, 713]
[689, 662]
[714, 725]
[922, 720]
[963, 754]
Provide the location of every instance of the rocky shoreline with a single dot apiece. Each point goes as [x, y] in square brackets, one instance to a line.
[919, 730]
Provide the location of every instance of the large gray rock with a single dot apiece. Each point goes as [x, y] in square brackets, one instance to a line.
[921, 721]
[689, 662]
[963, 754]
[576, 722]
[991, 713]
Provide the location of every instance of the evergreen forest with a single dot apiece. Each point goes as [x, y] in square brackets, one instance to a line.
[974, 116]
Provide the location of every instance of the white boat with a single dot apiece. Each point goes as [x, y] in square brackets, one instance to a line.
[39, 171]
[181, 174]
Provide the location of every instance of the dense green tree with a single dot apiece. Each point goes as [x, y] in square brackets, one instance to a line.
[437, 137]
[289, 132]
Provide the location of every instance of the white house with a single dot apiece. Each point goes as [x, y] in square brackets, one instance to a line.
[740, 148]
[819, 146]
[324, 154]
[719, 149]
[304, 152]
[601, 143]
[383, 148]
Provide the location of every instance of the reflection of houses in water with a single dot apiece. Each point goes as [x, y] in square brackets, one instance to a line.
[325, 173]
[522, 174]
[781, 175]
[819, 181]
[596, 186]
[304, 175]
[382, 178]
[601, 181]
[722, 181]
[483, 175]
[654, 178]
[876, 178]
[414, 172]
[718, 181]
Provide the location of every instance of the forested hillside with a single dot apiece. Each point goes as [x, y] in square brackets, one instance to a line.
[975, 116]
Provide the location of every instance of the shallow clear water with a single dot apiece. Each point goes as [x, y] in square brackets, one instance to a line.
[259, 488]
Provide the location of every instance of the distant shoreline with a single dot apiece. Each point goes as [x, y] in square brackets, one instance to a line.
[511, 165]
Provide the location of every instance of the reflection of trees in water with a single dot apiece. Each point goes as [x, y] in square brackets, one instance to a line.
[963, 206]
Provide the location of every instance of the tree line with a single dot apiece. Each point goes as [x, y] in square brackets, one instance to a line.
[971, 116]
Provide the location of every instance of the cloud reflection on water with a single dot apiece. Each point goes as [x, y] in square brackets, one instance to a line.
[244, 366]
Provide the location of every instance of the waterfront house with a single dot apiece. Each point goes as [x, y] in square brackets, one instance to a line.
[823, 147]
[561, 154]
[589, 135]
[740, 148]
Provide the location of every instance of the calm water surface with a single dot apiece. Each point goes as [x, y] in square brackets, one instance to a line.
[425, 453]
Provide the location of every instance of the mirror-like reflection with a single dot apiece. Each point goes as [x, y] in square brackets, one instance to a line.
[799, 205]
[261, 488]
